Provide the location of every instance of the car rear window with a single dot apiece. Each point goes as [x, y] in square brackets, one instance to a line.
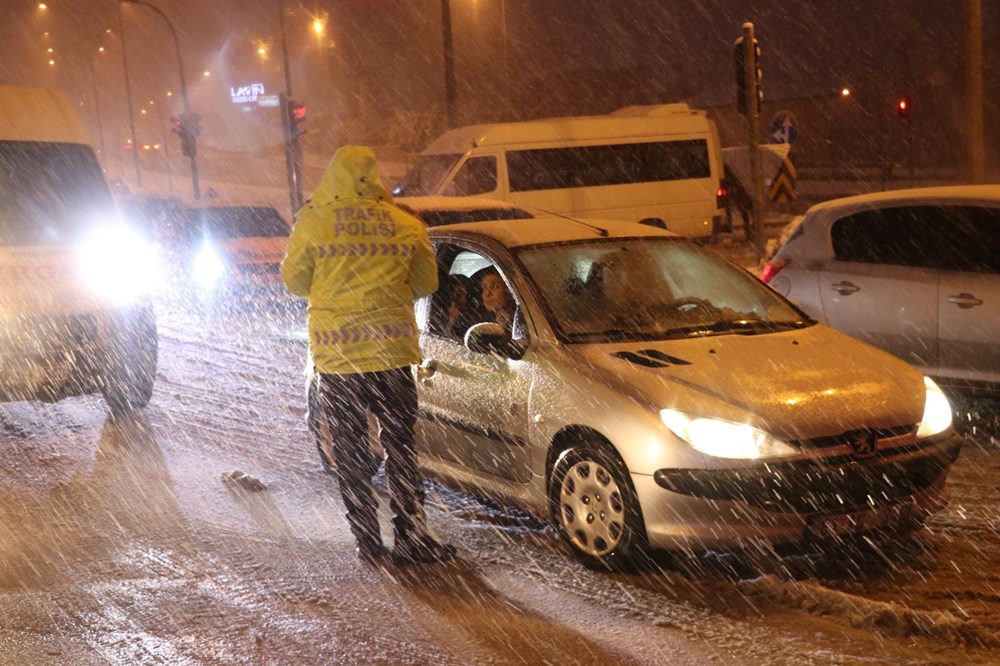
[238, 221]
[958, 238]
[49, 192]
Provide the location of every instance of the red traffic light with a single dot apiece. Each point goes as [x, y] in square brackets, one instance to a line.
[298, 112]
[903, 106]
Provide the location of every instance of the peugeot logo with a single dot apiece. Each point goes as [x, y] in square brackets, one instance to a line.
[863, 444]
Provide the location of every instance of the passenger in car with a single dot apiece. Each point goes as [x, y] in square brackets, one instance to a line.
[463, 310]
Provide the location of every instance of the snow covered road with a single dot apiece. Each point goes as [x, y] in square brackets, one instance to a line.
[122, 543]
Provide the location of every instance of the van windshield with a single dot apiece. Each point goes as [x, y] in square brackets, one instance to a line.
[425, 175]
[49, 192]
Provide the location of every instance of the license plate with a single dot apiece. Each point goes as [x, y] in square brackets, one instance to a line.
[857, 522]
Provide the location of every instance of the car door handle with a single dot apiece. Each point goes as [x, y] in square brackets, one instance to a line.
[427, 369]
[965, 301]
[845, 288]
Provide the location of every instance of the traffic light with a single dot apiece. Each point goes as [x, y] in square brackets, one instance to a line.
[295, 116]
[903, 107]
[188, 126]
[743, 95]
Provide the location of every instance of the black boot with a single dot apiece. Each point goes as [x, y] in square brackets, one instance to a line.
[372, 552]
[422, 549]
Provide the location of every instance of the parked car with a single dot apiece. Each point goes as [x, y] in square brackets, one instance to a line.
[649, 393]
[228, 253]
[437, 211]
[75, 311]
[915, 272]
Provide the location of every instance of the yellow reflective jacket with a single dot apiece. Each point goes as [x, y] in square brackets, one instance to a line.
[361, 261]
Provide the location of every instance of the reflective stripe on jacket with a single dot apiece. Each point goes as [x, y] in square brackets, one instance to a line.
[361, 262]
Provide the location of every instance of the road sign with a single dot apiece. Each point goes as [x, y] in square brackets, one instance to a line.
[782, 188]
[784, 129]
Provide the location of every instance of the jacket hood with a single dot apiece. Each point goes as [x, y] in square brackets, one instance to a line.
[351, 174]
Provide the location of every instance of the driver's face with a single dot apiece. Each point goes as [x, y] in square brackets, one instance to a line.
[495, 294]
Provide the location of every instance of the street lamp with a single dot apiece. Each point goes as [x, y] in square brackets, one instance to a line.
[183, 82]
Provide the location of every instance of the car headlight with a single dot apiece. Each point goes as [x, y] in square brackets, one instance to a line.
[937, 411]
[118, 264]
[725, 439]
[208, 266]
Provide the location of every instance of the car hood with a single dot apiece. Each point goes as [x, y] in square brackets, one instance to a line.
[797, 384]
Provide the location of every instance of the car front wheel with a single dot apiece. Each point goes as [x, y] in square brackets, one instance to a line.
[130, 369]
[594, 507]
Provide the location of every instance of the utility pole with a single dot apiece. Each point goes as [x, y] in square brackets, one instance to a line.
[974, 102]
[449, 65]
[293, 151]
[748, 102]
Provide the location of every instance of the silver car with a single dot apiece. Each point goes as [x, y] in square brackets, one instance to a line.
[647, 393]
[914, 272]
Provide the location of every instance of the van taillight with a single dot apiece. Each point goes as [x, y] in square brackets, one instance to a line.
[721, 195]
[771, 269]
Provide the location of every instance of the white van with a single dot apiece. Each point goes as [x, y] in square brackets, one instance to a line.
[659, 164]
[75, 309]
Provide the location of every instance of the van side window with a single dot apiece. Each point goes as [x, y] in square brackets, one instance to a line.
[477, 176]
[590, 166]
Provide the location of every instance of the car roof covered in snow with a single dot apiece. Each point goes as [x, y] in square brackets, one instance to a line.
[540, 230]
[950, 194]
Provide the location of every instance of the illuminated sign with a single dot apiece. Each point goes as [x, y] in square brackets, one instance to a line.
[247, 94]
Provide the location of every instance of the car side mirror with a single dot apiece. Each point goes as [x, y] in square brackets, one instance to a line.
[488, 338]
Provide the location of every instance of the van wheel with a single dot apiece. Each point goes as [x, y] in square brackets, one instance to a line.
[131, 361]
[594, 507]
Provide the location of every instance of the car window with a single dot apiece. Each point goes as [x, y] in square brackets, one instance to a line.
[49, 192]
[977, 239]
[604, 290]
[477, 176]
[939, 237]
[461, 302]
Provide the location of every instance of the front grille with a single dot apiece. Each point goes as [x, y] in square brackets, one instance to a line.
[849, 437]
[259, 269]
[809, 486]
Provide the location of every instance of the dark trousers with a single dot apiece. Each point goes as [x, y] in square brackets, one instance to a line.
[391, 396]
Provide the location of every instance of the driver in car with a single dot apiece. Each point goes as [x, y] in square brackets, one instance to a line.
[498, 300]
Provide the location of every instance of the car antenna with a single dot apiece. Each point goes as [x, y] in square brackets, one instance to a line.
[601, 231]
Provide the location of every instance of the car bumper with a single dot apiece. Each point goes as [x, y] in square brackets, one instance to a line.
[697, 510]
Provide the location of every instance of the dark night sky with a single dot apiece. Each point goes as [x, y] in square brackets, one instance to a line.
[389, 52]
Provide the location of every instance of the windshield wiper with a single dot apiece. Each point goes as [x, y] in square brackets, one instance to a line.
[754, 326]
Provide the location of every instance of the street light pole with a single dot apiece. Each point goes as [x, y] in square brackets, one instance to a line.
[180, 72]
[97, 110]
[128, 99]
[975, 92]
[293, 152]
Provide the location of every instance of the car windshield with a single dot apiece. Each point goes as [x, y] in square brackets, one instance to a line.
[237, 221]
[650, 289]
[49, 192]
[425, 175]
